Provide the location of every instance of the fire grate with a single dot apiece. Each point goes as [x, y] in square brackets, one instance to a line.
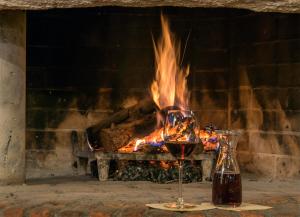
[103, 161]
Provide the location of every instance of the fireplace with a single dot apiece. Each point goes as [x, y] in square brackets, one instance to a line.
[67, 66]
[85, 64]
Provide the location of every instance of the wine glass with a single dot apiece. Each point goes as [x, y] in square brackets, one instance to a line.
[180, 137]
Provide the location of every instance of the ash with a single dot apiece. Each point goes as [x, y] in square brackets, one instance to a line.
[155, 172]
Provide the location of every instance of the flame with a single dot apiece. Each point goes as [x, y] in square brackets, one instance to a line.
[169, 87]
[209, 141]
[137, 143]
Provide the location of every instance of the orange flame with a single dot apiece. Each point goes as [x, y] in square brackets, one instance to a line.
[170, 85]
[169, 88]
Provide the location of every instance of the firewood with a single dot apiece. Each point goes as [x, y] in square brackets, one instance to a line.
[114, 138]
[143, 107]
[130, 114]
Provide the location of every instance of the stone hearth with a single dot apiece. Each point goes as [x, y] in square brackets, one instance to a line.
[82, 197]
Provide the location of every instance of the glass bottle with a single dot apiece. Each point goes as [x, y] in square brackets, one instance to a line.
[227, 185]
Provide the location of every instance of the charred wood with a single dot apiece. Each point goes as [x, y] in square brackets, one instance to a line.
[118, 136]
[132, 116]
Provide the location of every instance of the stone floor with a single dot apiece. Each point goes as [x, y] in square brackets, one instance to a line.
[86, 197]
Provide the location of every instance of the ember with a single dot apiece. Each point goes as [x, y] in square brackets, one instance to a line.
[161, 172]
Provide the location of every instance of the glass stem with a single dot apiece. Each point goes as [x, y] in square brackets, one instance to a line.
[180, 174]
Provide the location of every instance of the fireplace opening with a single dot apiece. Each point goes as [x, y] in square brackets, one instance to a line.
[86, 65]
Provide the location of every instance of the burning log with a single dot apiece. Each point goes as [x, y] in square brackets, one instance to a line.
[131, 114]
[116, 137]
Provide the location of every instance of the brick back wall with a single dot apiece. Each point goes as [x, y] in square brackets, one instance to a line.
[265, 93]
[84, 64]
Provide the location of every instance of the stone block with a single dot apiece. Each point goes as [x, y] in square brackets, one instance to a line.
[239, 119]
[269, 121]
[240, 98]
[195, 214]
[100, 99]
[243, 29]
[264, 143]
[122, 98]
[13, 96]
[252, 214]
[50, 99]
[13, 30]
[40, 212]
[61, 119]
[265, 27]
[254, 119]
[275, 143]
[58, 116]
[221, 213]
[134, 211]
[13, 212]
[293, 99]
[271, 99]
[209, 33]
[262, 75]
[63, 77]
[290, 121]
[288, 75]
[95, 117]
[36, 77]
[288, 26]
[287, 167]
[262, 53]
[259, 164]
[69, 213]
[246, 119]
[209, 100]
[3, 205]
[36, 118]
[210, 79]
[42, 140]
[203, 60]
[217, 118]
[289, 144]
[257, 28]
[161, 213]
[243, 143]
[287, 51]
[99, 214]
[57, 161]
[241, 54]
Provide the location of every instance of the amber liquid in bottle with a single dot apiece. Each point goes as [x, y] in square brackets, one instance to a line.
[227, 189]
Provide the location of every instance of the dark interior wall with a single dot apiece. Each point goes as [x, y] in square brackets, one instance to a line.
[83, 64]
[264, 95]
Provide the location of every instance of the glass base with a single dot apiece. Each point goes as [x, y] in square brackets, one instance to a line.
[180, 206]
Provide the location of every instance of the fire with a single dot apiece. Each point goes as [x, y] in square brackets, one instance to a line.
[170, 85]
[169, 88]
